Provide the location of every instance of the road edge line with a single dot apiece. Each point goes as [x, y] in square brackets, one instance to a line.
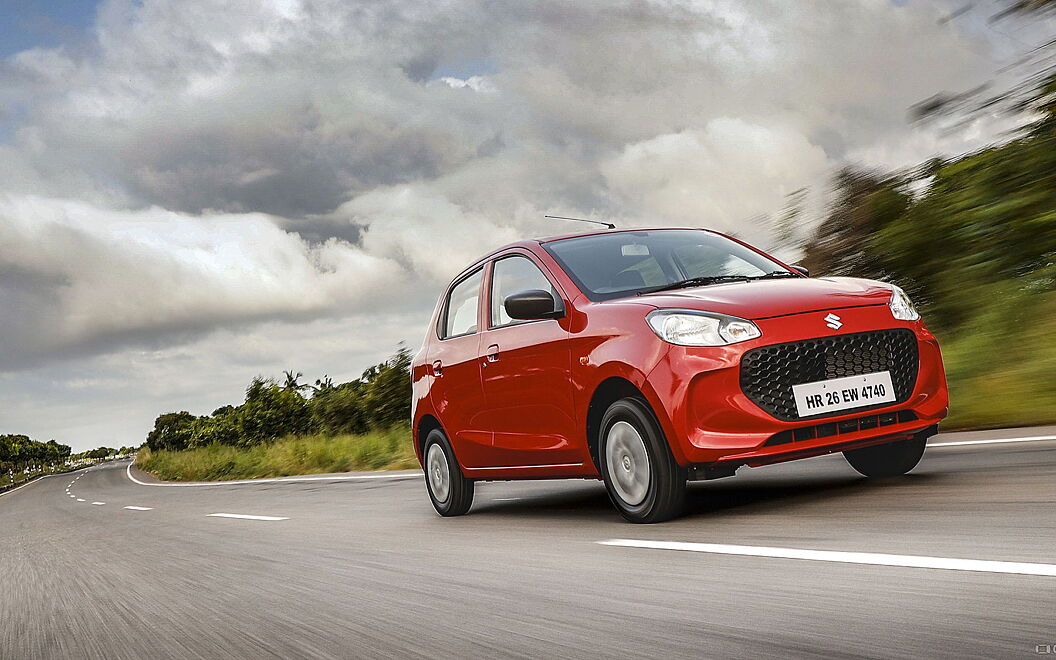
[274, 480]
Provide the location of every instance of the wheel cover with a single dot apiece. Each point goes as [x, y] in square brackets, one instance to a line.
[628, 463]
[438, 472]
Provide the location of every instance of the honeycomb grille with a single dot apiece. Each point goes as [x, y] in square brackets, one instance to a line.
[769, 372]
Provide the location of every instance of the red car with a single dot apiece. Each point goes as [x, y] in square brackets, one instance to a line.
[649, 358]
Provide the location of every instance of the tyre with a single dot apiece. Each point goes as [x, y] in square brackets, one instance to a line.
[888, 460]
[449, 491]
[644, 482]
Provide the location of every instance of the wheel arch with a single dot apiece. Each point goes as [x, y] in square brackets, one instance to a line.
[608, 392]
[426, 425]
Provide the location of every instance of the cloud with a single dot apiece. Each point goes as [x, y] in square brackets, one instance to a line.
[81, 277]
[718, 177]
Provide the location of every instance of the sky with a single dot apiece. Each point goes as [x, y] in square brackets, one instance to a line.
[197, 192]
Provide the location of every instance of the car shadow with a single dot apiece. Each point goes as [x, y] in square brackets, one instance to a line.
[710, 499]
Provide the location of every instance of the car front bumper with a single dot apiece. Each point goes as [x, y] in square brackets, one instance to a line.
[710, 420]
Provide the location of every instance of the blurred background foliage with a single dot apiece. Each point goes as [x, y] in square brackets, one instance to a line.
[22, 458]
[973, 241]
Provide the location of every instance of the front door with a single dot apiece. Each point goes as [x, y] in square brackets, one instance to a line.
[525, 369]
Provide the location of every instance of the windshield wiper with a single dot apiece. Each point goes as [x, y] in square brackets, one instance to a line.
[774, 275]
[696, 281]
[716, 279]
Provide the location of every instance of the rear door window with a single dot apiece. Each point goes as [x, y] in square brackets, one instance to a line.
[462, 308]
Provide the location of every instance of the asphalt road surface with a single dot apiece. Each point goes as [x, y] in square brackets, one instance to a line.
[95, 565]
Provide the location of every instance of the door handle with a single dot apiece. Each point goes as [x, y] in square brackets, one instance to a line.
[438, 368]
[493, 353]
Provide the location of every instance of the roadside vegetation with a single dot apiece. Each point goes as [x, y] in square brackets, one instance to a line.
[386, 449]
[291, 428]
[23, 459]
[972, 240]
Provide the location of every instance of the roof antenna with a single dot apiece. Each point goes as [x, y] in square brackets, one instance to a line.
[596, 222]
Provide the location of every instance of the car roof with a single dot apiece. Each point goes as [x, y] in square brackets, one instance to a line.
[536, 242]
[598, 232]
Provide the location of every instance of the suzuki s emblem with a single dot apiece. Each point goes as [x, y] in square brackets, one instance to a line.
[833, 322]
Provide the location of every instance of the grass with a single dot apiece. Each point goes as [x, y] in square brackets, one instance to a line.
[1001, 369]
[378, 450]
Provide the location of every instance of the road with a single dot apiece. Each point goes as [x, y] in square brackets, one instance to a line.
[364, 568]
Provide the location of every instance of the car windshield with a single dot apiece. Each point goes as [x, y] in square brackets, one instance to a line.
[607, 266]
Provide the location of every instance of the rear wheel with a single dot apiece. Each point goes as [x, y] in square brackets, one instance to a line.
[888, 460]
[449, 491]
[643, 480]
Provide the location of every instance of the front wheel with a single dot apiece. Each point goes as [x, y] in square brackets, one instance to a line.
[643, 480]
[888, 460]
[449, 491]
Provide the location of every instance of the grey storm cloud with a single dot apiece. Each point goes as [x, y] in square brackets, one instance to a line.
[195, 170]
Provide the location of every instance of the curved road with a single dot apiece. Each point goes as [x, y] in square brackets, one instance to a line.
[364, 568]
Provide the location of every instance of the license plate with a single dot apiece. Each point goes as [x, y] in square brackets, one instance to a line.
[825, 396]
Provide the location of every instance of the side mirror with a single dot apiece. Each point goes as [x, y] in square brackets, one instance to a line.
[802, 270]
[533, 305]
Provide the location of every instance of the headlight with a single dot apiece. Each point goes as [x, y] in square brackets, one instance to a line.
[901, 308]
[691, 328]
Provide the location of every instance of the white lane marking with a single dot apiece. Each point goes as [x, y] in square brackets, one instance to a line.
[81, 499]
[98, 503]
[871, 558]
[506, 499]
[244, 516]
[358, 477]
[140, 508]
[995, 441]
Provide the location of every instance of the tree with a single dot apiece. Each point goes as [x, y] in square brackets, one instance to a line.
[271, 412]
[323, 384]
[292, 381]
[171, 431]
[340, 409]
[388, 390]
[864, 202]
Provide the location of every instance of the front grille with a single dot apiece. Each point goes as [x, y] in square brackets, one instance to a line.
[769, 372]
[843, 426]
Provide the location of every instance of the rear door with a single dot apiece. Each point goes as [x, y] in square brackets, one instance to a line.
[456, 394]
[526, 374]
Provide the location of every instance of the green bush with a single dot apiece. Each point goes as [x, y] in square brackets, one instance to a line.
[271, 412]
[314, 454]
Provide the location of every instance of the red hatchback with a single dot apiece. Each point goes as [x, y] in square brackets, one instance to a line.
[649, 358]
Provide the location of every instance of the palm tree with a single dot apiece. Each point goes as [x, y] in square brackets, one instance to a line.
[324, 383]
[292, 381]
